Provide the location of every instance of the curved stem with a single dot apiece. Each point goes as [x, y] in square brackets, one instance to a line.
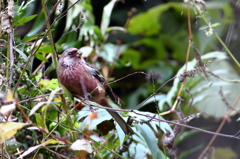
[219, 39]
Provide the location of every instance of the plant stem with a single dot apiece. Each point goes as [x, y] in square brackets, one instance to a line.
[54, 54]
[219, 39]
[54, 57]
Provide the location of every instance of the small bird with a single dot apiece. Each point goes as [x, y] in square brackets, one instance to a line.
[80, 78]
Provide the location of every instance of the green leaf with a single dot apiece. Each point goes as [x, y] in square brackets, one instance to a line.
[24, 56]
[215, 24]
[207, 93]
[107, 11]
[45, 49]
[121, 134]
[165, 127]
[150, 138]
[87, 50]
[33, 37]
[50, 68]
[23, 20]
[41, 57]
[111, 51]
[12, 145]
[102, 115]
[203, 27]
[9, 129]
[37, 24]
[131, 57]
[191, 64]
[33, 148]
[116, 28]
[49, 84]
[97, 31]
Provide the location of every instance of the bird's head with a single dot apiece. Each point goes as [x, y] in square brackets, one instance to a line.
[71, 56]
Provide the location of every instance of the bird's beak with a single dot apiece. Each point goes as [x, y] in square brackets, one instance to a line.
[79, 53]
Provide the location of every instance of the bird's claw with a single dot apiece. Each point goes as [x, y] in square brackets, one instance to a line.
[88, 96]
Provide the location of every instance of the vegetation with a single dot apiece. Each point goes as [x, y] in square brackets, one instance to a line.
[168, 65]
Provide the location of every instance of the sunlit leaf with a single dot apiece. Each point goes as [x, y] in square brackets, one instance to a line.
[45, 49]
[215, 24]
[116, 28]
[36, 107]
[107, 10]
[47, 84]
[82, 144]
[8, 129]
[87, 50]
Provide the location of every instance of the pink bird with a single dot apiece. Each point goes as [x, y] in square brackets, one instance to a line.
[80, 78]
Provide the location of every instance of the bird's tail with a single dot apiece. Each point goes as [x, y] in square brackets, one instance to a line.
[125, 127]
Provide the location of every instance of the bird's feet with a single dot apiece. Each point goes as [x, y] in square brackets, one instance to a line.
[88, 96]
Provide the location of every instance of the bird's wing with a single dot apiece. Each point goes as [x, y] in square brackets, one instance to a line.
[102, 80]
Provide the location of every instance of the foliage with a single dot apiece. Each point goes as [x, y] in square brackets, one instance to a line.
[147, 61]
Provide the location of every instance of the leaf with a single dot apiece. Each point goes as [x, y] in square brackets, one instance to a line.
[102, 115]
[68, 94]
[37, 25]
[24, 56]
[131, 57]
[91, 124]
[147, 23]
[40, 121]
[8, 129]
[47, 84]
[36, 107]
[41, 57]
[9, 95]
[50, 68]
[45, 49]
[116, 28]
[225, 153]
[23, 20]
[206, 92]
[215, 24]
[12, 145]
[207, 98]
[52, 95]
[82, 144]
[31, 149]
[151, 141]
[87, 50]
[203, 27]
[110, 51]
[33, 37]
[165, 127]
[107, 11]
[121, 134]
[5, 110]
[191, 65]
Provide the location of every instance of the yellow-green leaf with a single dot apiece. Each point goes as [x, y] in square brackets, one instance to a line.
[9, 129]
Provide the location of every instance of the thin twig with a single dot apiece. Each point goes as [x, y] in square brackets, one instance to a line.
[214, 32]
[188, 126]
[218, 129]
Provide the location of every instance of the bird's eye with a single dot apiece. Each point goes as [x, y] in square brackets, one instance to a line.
[69, 53]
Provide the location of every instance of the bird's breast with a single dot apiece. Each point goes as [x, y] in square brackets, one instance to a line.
[79, 80]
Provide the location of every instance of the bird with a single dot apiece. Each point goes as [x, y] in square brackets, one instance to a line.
[82, 79]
